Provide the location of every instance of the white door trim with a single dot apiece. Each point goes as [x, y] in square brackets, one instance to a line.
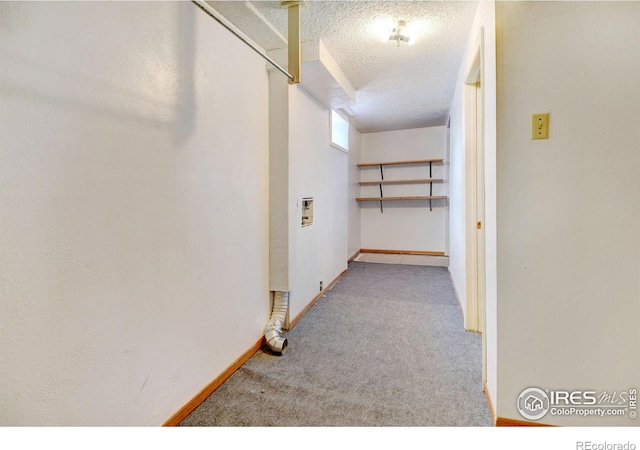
[474, 194]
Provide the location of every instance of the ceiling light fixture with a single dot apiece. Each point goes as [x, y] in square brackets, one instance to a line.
[399, 33]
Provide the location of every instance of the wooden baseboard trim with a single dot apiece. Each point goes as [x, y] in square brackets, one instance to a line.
[506, 422]
[401, 252]
[192, 404]
[492, 409]
[315, 299]
[355, 255]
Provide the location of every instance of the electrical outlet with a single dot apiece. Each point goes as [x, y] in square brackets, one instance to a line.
[321, 284]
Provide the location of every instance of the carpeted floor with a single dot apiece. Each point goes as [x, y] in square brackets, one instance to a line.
[385, 347]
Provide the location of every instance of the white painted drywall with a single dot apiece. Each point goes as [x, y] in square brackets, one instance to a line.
[404, 225]
[447, 192]
[304, 164]
[318, 170]
[461, 176]
[279, 211]
[569, 206]
[133, 209]
[353, 209]
[320, 74]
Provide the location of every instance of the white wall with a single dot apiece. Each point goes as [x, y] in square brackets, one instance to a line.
[353, 240]
[304, 164]
[404, 225]
[447, 192]
[280, 250]
[133, 203]
[461, 176]
[569, 206]
[318, 170]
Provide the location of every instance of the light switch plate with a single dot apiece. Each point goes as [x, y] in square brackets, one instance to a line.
[540, 126]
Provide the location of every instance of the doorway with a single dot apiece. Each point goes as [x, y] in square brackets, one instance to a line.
[475, 199]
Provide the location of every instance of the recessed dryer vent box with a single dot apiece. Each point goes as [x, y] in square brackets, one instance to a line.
[307, 211]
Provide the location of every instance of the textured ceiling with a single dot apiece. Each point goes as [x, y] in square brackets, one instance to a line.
[397, 87]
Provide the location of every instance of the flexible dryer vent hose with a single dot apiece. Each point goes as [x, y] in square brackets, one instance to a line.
[273, 332]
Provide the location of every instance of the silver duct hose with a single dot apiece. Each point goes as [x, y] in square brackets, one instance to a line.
[273, 332]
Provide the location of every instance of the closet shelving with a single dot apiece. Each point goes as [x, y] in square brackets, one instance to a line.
[382, 181]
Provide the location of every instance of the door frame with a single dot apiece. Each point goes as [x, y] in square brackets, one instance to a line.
[474, 129]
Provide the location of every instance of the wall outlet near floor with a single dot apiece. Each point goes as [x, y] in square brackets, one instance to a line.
[321, 285]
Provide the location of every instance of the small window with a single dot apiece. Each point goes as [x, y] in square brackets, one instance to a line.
[339, 131]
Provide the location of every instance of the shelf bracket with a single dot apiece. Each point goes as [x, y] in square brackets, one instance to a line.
[430, 188]
[381, 179]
